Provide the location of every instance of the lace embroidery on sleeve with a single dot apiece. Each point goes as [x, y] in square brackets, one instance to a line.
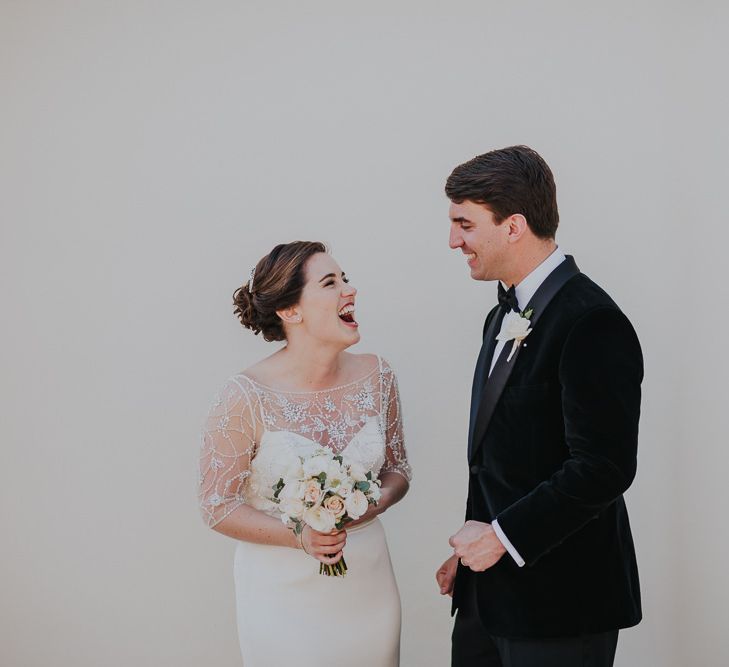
[227, 448]
[396, 459]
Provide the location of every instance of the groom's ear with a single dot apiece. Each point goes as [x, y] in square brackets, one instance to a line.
[516, 227]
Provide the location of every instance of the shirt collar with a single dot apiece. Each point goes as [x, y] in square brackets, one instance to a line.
[526, 289]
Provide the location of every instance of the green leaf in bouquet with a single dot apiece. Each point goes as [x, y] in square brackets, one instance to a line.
[369, 475]
[364, 487]
[322, 478]
[339, 459]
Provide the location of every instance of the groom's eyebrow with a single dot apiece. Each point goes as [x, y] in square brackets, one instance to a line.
[460, 219]
[332, 275]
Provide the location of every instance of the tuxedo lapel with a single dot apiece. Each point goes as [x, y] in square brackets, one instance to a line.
[488, 345]
[496, 382]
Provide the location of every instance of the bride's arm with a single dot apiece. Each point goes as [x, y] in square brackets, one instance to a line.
[394, 488]
[251, 525]
[395, 474]
[228, 447]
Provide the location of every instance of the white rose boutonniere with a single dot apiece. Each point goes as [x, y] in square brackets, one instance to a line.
[516, 327]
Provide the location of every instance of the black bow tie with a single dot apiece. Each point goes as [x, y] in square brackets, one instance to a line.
[507, 298]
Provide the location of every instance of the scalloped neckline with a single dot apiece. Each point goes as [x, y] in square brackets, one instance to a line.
[310, 391]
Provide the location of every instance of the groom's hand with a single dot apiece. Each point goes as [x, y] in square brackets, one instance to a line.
[477, 545]
[446, 575]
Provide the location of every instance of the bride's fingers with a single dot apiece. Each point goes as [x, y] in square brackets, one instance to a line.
[331, 548]
[331, 560]
[331, 540]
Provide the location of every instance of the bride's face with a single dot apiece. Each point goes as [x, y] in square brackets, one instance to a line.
[327, 304]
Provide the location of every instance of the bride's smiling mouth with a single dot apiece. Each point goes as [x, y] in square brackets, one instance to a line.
[346, 314]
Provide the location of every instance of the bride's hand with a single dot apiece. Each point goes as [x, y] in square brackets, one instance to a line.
[325, 547]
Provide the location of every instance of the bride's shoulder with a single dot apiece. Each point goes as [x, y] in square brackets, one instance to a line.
[366, 363]
[361, 361]
[264, 372]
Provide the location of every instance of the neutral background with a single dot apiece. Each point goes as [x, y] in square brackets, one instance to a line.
[151, 152]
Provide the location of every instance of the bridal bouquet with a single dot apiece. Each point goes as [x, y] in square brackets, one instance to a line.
[325, 492]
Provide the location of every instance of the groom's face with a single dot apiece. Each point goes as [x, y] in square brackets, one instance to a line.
[484, 243]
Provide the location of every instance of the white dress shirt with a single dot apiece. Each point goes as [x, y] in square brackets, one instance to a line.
[525, 290]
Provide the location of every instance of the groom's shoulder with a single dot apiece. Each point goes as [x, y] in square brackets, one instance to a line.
[588, 318]
[580, 294]
[582, 301]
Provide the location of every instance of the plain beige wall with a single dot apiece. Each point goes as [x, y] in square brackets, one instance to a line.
[152, 152]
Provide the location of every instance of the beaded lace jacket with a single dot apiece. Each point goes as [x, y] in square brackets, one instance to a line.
[252, 432]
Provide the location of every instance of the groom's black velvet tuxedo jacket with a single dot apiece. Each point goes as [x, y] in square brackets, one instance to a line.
[552, 449]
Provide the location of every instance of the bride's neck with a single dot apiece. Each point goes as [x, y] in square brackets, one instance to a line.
[312, 367]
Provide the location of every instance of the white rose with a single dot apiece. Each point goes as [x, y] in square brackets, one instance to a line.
[286, 465]
[357, 472]
[345, 488]
[514, 327]
[320, 518]
[294, 469]
[316, 465]
[292, 507]
[292, 489]
[335, 505]
[312, 491]
[374, 492]
[335, 475]
[356, 504]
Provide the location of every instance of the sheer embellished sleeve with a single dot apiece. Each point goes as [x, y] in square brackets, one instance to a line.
[227, 448]
[396, 459]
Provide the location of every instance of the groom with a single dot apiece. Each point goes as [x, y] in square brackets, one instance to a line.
[543, 572]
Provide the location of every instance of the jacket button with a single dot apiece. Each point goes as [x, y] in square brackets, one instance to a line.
[474, 470]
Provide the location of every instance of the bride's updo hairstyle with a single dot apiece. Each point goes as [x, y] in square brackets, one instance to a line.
[275, 284]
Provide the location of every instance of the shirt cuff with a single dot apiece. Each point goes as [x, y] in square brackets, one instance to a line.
[507, 545]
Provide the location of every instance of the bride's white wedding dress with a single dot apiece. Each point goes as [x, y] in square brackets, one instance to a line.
[289, 614]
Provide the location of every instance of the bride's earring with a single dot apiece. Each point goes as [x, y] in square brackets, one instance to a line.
[289, 316]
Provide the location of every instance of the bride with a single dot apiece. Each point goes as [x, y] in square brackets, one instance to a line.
[308, 394]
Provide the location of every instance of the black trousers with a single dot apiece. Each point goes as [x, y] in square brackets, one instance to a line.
[472, 646]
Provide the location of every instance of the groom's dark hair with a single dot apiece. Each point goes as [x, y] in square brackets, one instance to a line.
[508, 181]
